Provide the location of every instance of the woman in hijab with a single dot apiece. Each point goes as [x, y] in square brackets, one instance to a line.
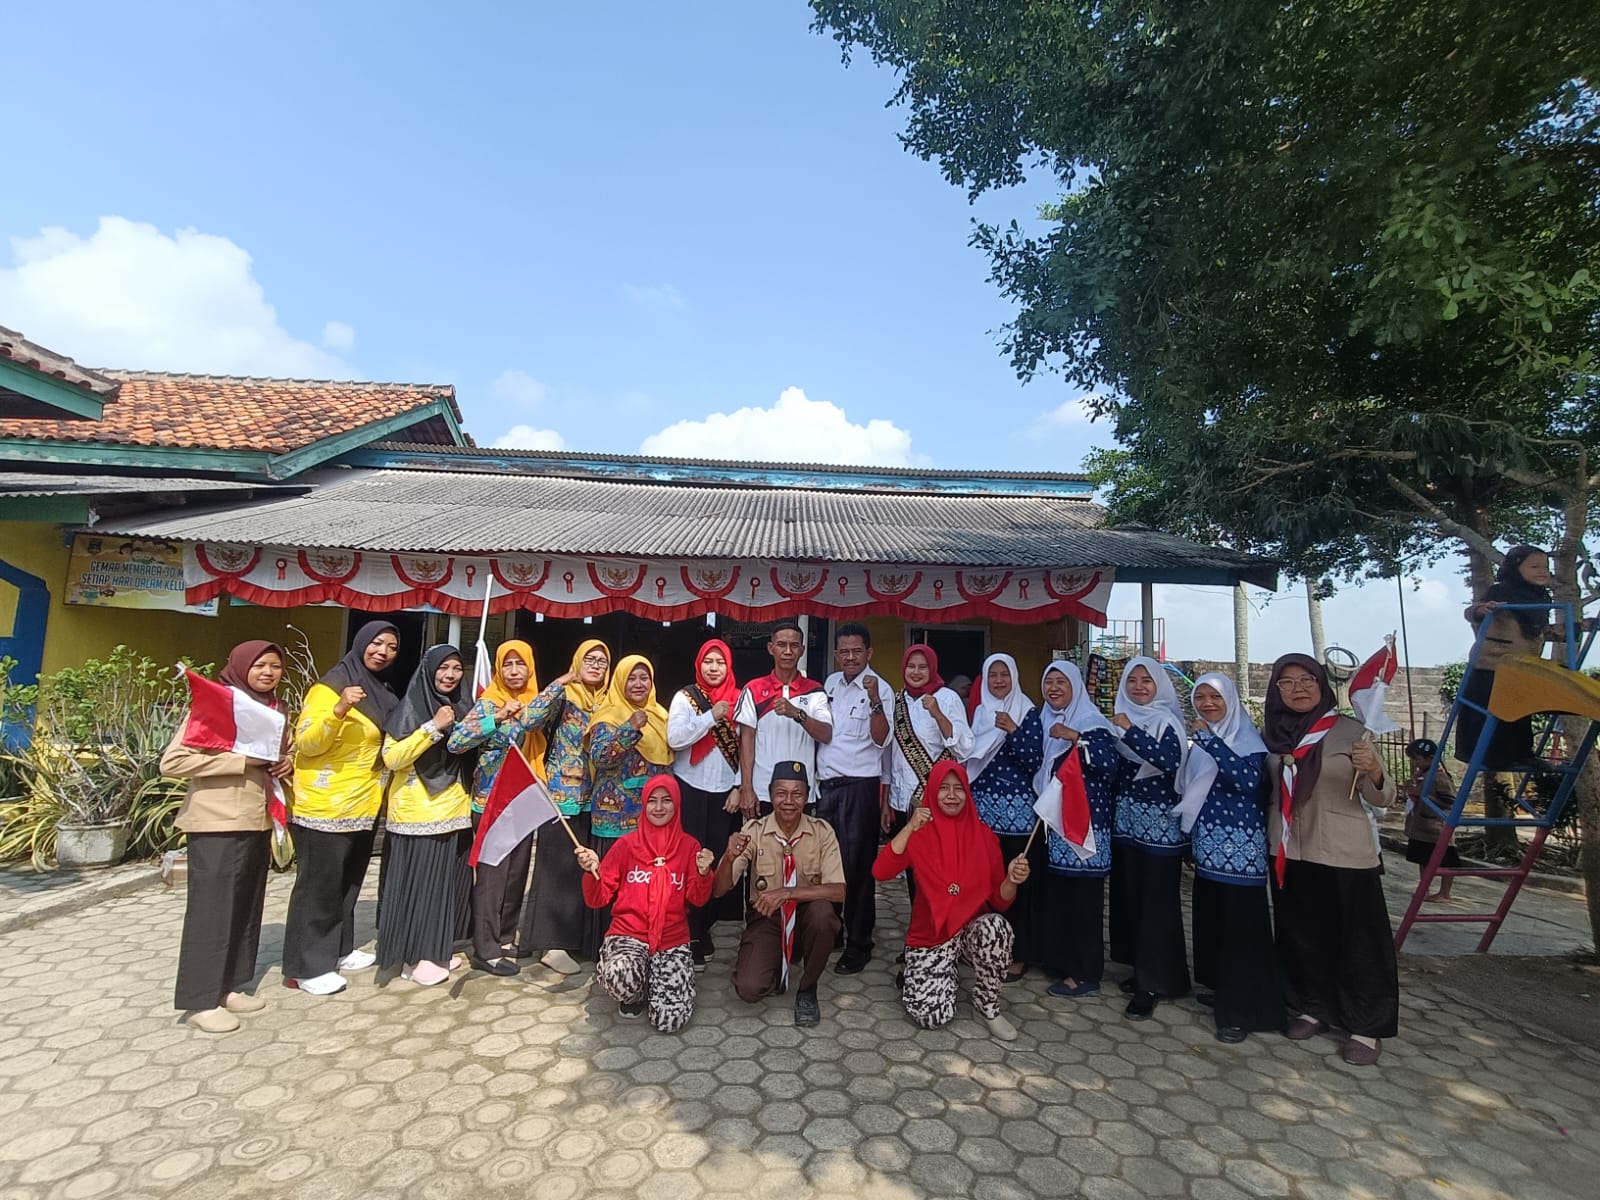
[556, 924]
[338, 790]
[964, 888]
[1007, 750]
[1335, 945]
[702, 735]
[1079, 771]
[226, 820]
[650, 880]
[1523, 578]
[929, 726]
[424, 903]
[627, 745]
[1149, 841]
[1221, 808]
[497, 722]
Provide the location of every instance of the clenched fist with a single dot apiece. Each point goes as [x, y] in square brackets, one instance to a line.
[703, 861]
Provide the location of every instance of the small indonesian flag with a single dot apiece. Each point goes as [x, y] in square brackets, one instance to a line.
[517, 805]
[1064, 806]
[224, 718]
[1369, 689]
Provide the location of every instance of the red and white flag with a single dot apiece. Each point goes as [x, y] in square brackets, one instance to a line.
[517, 805]
[1064, 806]
[224, 718]
[1369, 689]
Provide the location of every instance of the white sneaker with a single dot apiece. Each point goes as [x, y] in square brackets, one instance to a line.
[357, 960]
[561, 962]
[1000, 1027]
[323, 985]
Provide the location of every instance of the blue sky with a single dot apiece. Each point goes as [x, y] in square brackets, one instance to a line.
[634, 226]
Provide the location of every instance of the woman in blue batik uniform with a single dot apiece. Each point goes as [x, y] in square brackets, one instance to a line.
[1007, 751]
[1234, 958]
[1072, 893]
[1147, 860]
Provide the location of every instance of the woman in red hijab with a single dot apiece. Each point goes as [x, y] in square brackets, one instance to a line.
[705, 744]
[650, 877]
[962, 888]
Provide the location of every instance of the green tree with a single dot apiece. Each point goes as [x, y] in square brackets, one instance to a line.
[1332, 269]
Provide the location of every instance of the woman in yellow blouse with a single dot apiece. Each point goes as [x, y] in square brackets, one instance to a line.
[426, 884]
[338, 790]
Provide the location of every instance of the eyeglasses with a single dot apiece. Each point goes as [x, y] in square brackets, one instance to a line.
[595, 660]
[1299, 684]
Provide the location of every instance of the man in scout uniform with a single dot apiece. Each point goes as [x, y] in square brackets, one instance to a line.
[796, 879]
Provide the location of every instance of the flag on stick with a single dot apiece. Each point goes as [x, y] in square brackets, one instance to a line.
[517, 805]
[1369, 689]
[1064, 806]
[224, 718]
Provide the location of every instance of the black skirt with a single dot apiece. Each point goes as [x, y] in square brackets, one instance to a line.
[1419, 851]
[426, 894]
[1072, 931]
[1147, 919]
[705, 821]
[222, 919]
[1336, 948]
[1234, 955]
[1026, 915]
[556, 917]
[1512, 741]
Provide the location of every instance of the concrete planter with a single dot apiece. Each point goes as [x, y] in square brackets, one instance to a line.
[87, 847]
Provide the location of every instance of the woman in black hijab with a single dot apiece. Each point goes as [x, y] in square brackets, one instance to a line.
[1523, 578]
[425, 889]
[338, 790]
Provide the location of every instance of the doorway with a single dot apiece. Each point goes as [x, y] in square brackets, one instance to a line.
[961, 648]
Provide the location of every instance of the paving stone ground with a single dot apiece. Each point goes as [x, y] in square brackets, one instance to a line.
[533, 1087]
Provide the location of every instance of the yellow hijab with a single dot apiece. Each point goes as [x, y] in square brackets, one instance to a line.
[579, 693]
[617, 708]
[533, 745]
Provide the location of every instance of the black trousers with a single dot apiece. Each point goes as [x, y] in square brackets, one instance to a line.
[705, 820]
[222, 920]
[1336, 948]
[851, 807]
[1072, 937]
[898, 822]
[1147, 919]
[321, 926]
[497, 892]
[556, 918]
[426, 892]
[1027, 913]
[1234, 955]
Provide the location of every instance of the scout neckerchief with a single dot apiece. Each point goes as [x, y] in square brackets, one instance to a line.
[787, 910]
[769, 689]
[1286, 782]
[722, 731]
[916, 754]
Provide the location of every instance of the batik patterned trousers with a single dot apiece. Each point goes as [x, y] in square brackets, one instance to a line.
[930, 991]
[665, 980]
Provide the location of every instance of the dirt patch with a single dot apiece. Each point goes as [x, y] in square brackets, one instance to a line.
[1559, 997]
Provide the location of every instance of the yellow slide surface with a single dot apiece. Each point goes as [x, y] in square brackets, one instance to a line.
[1525, 685]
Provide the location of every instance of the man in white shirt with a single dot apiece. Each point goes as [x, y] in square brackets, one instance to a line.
[781, 718]
[850, 783]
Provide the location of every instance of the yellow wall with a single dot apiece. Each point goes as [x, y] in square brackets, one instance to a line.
[79, 632]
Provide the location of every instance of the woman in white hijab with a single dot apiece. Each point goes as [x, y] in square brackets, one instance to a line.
[1234, 956]
[1007, 752]
[1147, 865]
[1078, 777]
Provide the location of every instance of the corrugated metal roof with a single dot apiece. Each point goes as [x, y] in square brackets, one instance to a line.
[403, 511]
[15, 484]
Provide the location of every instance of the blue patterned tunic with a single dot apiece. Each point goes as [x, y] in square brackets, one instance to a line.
[1144, 806]
[1230, 834]
[1004, 792]
[620, 773]
[492, 747]
[1097, 750]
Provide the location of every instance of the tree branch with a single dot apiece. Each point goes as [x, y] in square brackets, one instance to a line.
[1447, 525]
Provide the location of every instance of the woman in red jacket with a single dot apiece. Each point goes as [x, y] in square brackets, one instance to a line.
[962, 888]
[650, 877]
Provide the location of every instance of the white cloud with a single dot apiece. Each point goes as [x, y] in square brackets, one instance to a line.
[337, 335]
[130, 296]
[526, 437]
[519, 389]
[663, 296]
[795, 429]
[1072, 413]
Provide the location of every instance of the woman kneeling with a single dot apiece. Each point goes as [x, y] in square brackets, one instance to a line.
[963, 887]
[650, 877]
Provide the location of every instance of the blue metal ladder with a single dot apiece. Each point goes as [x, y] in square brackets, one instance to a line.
[1518, 674]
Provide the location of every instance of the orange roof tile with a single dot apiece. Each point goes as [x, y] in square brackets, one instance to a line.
[223, 412]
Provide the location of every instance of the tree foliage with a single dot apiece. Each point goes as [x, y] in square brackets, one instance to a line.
[1333, 269]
